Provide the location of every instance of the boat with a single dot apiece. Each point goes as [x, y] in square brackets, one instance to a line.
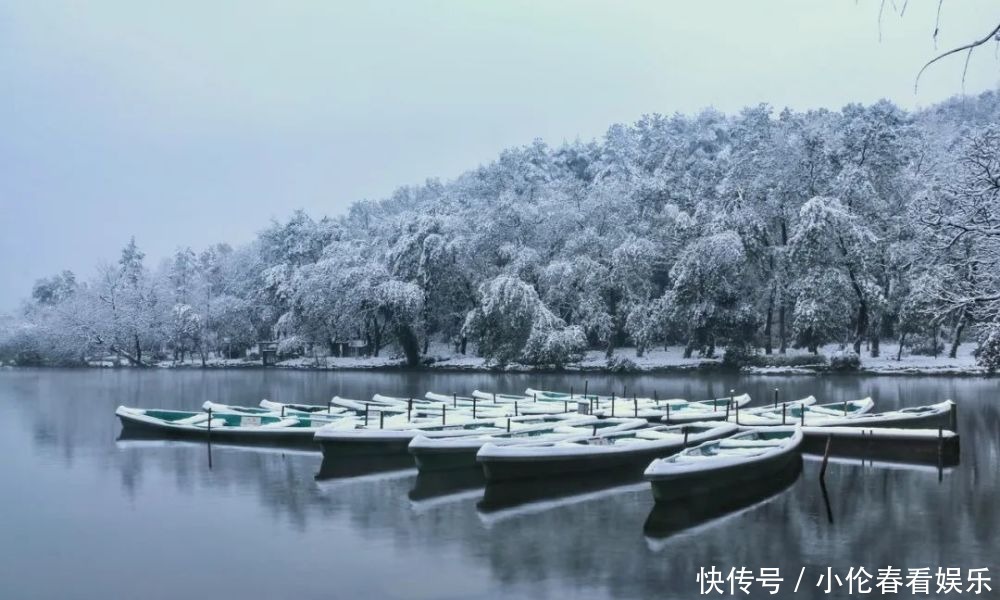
[350, 439]
[928, 446]
[801, 412]
[293, 410]
[438, 454]
[241, 428]
[723, 464]
[942, 415]
[654, 409]
[621, 451]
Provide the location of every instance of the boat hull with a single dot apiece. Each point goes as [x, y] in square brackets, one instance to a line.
[133, 428]
[709, 481]
[498, 469]
[908, 446]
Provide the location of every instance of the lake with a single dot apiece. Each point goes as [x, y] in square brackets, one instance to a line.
[84, 515]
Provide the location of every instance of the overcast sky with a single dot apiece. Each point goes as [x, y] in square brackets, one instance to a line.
[186, 123]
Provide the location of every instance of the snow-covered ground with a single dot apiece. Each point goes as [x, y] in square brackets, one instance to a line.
[442, 356]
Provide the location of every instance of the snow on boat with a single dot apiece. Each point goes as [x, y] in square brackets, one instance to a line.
[242, 428]
[802, 411]
[438, 454]
[355, 439]
[332, 413]
[941, 415]
[619, 450]
[719, 465]
[278, 407]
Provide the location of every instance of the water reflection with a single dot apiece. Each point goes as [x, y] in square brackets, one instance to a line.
[267, 514]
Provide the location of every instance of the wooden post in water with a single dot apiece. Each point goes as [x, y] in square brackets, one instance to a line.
[570, 392]
[784, 410]
[624, 391]
[444, 409]
[508, 424]
[737, 412]
[612, 404]
[727, 410]
[826, 458]
[668, 412]
[454, 400]
[473, 407]
[586, 383]
[515, 408]
[565, 406]
[685, 430]
[953, 417]
[534, 397]
[775, 397]
[802, 415]
[940, 446]
[635, 404]
[409, 409]
[366, 414]
[845, 408]
[381, 419]
[282, 411]
[329, 407]
[595, 429]
[494, 397]
[209, 424]
[656, 399]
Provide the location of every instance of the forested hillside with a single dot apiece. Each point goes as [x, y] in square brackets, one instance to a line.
[737, 234]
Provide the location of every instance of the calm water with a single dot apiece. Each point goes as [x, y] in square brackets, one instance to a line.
[83, 515]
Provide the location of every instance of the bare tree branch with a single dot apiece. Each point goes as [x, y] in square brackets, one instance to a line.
[967, 47]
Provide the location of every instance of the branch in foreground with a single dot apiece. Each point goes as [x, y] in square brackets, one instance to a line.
[970, 47]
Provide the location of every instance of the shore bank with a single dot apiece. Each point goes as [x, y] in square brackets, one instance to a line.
[624, 360]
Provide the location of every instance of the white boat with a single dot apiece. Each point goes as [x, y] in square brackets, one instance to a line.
[719, 465]
[617, 451]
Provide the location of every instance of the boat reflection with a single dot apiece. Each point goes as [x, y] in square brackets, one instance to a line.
[508, 494]
[446, 483]
[669, 518]
[337, 468]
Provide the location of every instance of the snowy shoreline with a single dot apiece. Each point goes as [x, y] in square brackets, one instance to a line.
[625, 361]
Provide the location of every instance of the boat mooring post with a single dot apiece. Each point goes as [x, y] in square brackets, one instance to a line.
[668, 412]
[329, 407]
[208, 438]
[845, 408]
[595, 429]
[534, 397]
[282, 411]
[473, 407]
[409, 409]
[635, 404]
[728, 404]
[624, 391]
[381, 419]
[494, 397]
[586, 383]
[940, 447]
[784, 410]
[685, 430]
[444, 409]
[826, 458]
[802, 415]
[209, 424]
[612, 404]
[775, 397]
[737, 412]
[953, 417]
[656, 399]
[454, 400]
[732, 396]
[570, 392]
[565, 406]
[366, 414]
[508, 424]
[515, 408]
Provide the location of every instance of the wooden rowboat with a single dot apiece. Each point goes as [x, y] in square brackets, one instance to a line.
[721, 465]
[237, 428]
[620, 451]
[439, 454]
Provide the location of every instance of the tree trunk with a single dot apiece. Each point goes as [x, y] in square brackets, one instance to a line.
[902, 341]
[427, 342]
[640, 349]
[138, 350]
[958, 336]
[767, 325]
[875, 344]
[689, 348]
[859, 332]
[782, 341]
[410, 344]
[465, 344]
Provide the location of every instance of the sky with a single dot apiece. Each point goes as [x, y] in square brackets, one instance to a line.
[187, 123]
